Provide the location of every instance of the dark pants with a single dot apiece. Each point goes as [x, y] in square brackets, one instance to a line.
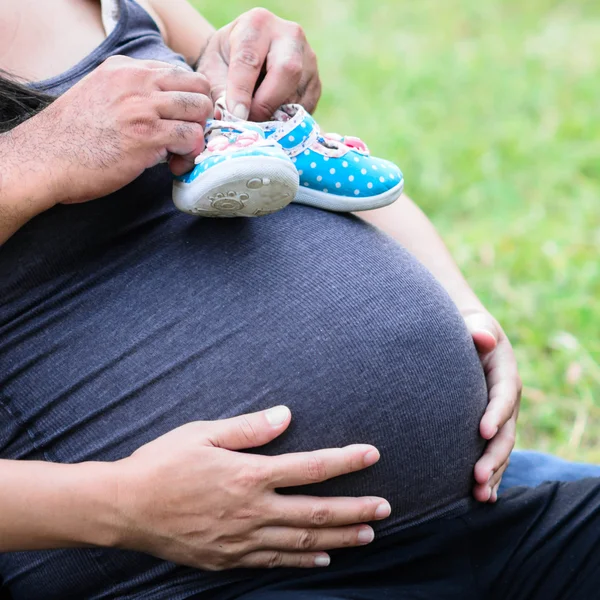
[535, 544]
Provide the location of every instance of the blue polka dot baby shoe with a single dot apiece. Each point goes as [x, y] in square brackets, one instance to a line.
[336, 173]
[239, 174]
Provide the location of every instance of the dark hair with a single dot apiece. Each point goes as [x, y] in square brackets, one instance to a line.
[18, 102]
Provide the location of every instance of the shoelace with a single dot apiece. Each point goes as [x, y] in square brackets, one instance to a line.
[296, 112]
[231, 136]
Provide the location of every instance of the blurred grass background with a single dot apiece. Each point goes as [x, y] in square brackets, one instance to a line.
[492, 109]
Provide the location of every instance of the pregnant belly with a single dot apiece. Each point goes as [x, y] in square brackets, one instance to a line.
[304, 308]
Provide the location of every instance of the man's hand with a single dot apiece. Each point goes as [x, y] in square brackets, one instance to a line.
[261, 62]
[504, 388]
[124, 117]
[191, 498]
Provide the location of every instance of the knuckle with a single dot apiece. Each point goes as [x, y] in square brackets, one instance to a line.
[367, 511]
[255, 476]
[176, 71]
[293, 67]
[307, 539]
[187, 102]
[259, 15]
[185, 131]
[247, 58]
[321, 515]
[296, 31]
[315, 469]
[116, 60]
[143, 128]
[273, 560]
[350, 538]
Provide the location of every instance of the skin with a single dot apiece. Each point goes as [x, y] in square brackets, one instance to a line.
[154, 110]
[191, 498]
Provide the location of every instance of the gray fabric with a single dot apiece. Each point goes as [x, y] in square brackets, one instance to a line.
[122, 318]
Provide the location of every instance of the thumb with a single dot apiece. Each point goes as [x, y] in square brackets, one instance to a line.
[484, 331]
[250, 430]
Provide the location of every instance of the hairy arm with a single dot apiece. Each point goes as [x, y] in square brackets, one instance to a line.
[23, 193]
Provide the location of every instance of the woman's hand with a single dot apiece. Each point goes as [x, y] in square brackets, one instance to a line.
[504, 388]
[261, 62]
[189, 497]
[124, 117]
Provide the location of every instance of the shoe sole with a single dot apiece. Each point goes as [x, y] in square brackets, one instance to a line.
[253, 186]
[335, 203]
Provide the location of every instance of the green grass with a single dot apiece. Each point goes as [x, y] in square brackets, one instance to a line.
[493, 111]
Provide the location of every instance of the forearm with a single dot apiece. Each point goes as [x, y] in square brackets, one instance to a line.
[406, 223]
[22, 193]
[47, 505]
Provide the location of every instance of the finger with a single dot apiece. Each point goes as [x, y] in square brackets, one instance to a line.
[215, 68]
[285, 63]
[179, 165]
[485, 492]
[497, 452]
[504, 387]
[496, 485]
[184, 106]
[183, 138]
[484, 331]
[494, 496]
[310, 511]
[313, 467]
[310, 94]
[176, 79]
[497, 476]
[272, 559]
[287, 538]
[249, 45]
[247, 431]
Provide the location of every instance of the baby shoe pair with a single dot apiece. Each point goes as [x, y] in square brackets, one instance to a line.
[253, 169]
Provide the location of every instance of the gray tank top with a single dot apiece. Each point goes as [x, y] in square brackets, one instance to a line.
[135, 34]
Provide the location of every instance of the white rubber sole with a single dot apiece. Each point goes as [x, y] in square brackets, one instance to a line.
[335, 203]
[251, 186]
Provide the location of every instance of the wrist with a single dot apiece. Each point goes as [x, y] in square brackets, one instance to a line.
[47, 505]
[25, 189]
[97, 500]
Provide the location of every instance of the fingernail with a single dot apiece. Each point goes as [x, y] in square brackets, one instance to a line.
[276, 416]
[366, 535]
[371, 457]
[240, 111]
[383, 510]
[322, 561]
